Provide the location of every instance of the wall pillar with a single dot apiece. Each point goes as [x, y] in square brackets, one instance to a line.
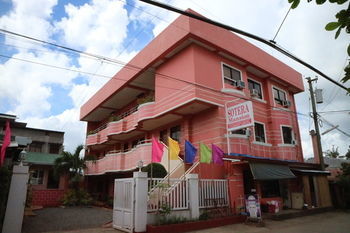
[193, 186]
[140, 214]
[16, 200]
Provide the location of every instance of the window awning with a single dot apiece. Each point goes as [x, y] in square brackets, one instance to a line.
[266, 171]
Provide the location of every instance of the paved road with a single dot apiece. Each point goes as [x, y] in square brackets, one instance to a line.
[329, 222]
[62, 219]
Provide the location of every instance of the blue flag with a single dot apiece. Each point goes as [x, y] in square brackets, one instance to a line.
[190, 152]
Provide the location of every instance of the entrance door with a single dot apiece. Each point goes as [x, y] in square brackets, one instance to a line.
[123, 205]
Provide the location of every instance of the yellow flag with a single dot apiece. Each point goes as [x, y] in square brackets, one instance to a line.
[174, 149]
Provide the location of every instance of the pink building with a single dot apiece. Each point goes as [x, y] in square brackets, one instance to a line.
[178, 86]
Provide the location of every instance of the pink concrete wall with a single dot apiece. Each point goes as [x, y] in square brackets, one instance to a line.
[120, 161]
[181, 29]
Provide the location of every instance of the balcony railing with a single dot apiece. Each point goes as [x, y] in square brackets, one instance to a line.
[116, 160]
[129, 120]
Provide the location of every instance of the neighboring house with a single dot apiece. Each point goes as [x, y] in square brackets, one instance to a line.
[42, 148]
[333, 165]
[178, 86]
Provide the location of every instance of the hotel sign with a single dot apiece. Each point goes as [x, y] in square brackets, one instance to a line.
[239, 116]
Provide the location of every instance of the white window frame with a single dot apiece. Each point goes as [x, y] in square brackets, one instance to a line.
[222, 73]
[280, 89]
[293, 137]
[257, 142]
[35, 180]
[261, 87]
[235, 135]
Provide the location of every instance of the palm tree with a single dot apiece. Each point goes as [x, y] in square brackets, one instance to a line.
[71, 165]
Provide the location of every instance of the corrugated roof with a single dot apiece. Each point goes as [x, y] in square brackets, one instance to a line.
[41, 158]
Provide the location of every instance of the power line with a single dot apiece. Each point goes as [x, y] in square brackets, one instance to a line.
[109, 60]
[249, 35]
[279, 28]
[160, 75]
[336, 111]
[53, 66]
[330, 124]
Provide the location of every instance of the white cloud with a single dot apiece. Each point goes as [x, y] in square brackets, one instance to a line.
[29, 18]
[98, 27]
[28, 85]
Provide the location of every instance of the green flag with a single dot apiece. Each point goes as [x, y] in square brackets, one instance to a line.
[205, 153]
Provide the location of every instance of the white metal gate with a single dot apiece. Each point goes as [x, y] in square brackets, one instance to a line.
[123, 207]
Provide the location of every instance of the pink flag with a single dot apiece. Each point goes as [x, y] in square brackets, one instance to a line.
[6, 142]
[218, 154]
[157, 150]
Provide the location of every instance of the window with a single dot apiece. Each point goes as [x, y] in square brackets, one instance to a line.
[175, 132]
[252, 85]
[259, 132]
[55, 148]
[36, 146]
[137, 142]
[240, 131]
[279, 95]
[37, 177]
[270, 188]
[163, 136]
[231, 76]
[52, 181]
[287, 134]
[125, 147]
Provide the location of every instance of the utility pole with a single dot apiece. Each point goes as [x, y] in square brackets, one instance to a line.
[315, 116]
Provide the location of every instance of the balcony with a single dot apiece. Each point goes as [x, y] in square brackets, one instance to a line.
[117, 161]
[148, 116]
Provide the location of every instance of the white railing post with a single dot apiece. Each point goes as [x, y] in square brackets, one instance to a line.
[140, 210]
[192, 182]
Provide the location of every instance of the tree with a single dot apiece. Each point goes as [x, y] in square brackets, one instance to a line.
[342, 23]
[71, 165]
[347, 155]
[344, 183]
[158, 170]
[334, 153]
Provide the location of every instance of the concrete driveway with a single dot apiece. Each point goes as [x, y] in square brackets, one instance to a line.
[63, 219]
[334, 222]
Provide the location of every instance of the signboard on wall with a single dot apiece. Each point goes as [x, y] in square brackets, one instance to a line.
[253, 206]
[239, 116]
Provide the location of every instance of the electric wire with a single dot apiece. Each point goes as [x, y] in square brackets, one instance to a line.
[244, 33]
[279, 28]
[160, 75]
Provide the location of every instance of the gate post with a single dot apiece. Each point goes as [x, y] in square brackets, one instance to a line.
[16, 200]
[193, 195]
[140, 210]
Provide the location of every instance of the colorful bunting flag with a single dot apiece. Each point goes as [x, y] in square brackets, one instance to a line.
[190, 152]
[157, 151]
[218, 154]
[174, 149]
[205, 153]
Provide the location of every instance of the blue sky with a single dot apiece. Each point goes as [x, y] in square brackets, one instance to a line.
[50, 98]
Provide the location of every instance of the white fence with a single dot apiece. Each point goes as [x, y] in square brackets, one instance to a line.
[172, 193]
[213, 193]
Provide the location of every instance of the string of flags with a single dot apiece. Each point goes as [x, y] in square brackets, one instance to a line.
[207, 155]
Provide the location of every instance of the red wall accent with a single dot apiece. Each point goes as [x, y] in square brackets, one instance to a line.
[47, 197]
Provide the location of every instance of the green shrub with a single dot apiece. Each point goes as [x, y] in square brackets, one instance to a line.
[5, 180]
[204, 216]
[172, 220]
[77, 198]
[158, 170]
